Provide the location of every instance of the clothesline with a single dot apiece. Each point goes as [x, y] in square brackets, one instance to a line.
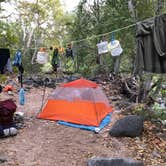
[89, 38]
[95, 36]
[100, 35]
[116, 30]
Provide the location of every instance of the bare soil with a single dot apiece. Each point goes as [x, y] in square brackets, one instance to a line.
[45, 143]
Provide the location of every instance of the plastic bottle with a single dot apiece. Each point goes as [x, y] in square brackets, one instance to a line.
[22, 96]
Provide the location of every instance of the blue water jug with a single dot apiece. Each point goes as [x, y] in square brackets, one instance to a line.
[22, 96]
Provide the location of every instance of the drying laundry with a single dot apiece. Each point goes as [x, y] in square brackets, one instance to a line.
[115, 48]
[151, 45]
[4, 56]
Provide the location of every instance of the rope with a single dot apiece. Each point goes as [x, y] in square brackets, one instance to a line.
[89, 38]
[100, 35]
[95, 36]
[104, 34]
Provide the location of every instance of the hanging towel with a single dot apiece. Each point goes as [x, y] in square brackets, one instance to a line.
[4, 56]
[18, 61]
[151, 45]
[17, 58]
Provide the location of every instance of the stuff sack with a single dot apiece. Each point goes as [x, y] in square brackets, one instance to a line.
[115, 48]
[42, 57]
[102, 47]
[7, 109]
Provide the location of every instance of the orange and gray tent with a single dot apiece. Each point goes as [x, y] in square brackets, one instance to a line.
[80, 102]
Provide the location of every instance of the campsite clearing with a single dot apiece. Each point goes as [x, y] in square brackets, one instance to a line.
[45, 143]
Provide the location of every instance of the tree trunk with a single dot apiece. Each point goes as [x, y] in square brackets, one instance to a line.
[159, 6]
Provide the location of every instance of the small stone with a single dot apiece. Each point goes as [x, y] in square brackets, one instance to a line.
[114, 162]
[156, 154]
[2, 159]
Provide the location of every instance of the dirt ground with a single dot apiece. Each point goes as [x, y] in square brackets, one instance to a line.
[45, 143]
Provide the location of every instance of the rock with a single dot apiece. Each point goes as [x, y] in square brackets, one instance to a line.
[130, 126]
[113, 162]
[2, 159]
[28, 82]
[156, 154]
[18, 117]
[162, 135]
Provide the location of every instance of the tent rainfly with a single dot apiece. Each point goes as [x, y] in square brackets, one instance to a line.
[80, 102]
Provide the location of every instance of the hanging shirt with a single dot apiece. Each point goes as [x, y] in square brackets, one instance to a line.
[4, 56]
[151, 45]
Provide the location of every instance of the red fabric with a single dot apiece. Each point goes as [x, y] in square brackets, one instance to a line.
[7, 109]
[8, 88]
[79, 112]
[80, 101]
[80, 83]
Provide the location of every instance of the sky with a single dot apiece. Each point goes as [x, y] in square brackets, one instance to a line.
[69, 5]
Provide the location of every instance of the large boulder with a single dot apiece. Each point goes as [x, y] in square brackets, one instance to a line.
[130, 126]
[114, 162]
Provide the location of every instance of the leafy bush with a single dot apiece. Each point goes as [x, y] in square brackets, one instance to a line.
[159, 111]
[3, 78]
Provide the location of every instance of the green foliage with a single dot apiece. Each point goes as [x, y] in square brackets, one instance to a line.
[8, 37]
[159, 111]
[100, 17]
[156, 112]
[43, 23]
[97, 18]
[3, 78]
[163, 93]
[47, 68]
[142, 110]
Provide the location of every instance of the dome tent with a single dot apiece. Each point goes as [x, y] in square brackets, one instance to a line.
[80, 102]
